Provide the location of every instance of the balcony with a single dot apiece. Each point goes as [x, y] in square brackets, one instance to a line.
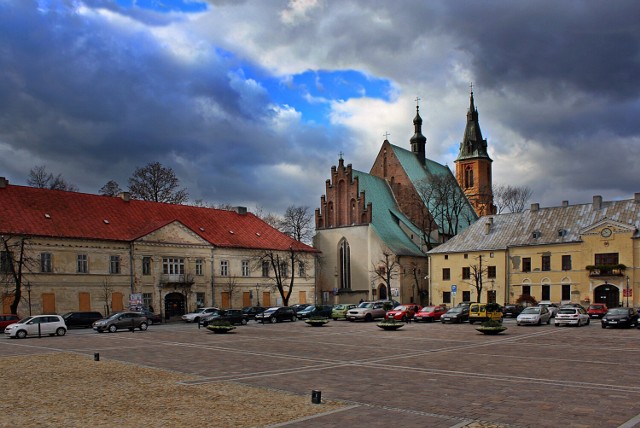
[175, 280]
[606, 270]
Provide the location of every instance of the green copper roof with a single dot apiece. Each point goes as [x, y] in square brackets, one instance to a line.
[417, 172]
[387, 220]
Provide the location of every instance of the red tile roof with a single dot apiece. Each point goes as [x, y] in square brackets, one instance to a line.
[56, 213]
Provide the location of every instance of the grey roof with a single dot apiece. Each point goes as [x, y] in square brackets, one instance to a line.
[553, 225]
[386, 216]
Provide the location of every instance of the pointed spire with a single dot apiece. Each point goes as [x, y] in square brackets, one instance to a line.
[472, 145]
[418, 141]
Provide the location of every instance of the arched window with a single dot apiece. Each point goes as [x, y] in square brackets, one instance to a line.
[468, 176]
[344, 264]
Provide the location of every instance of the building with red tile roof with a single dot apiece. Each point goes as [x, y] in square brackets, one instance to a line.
[177, 257]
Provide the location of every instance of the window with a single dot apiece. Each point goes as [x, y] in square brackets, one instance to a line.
[491, 271]
[566, 262]
[344, 260]
[245, 268]
[114, 264]
[173, 266]
[446, 274]
[146, 265]
[284, 269]
[546, 292]
[546, 263]
[265, 269]
[566, 291]
[199, 267]
[446, 256]
[466, 273]
[607, 259]
[199, 299]
[83, 263]
[147, 300]
[45, 263]
[526, 290]
[466, 296]
[5, 261]
[468, 177]
[466, 256]
[302, 272]
[446, 297]
[224, 268]
[526, 264]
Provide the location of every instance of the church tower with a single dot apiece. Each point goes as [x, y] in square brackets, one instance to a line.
[473, 165]
[418, 141]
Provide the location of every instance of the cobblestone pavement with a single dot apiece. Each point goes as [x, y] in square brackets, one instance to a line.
[423, 374]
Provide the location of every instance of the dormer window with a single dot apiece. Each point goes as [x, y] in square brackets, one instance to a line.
[562, 232]
[536, 234]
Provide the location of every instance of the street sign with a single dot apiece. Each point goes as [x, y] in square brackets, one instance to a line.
[627, 292]
[454, 288]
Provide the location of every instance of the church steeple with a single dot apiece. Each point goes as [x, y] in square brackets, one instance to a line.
[473, 165]
[418, 141]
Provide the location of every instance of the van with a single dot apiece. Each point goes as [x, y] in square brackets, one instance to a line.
[81, 319]
[485, 311]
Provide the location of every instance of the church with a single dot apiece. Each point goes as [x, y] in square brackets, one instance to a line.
[374, 229]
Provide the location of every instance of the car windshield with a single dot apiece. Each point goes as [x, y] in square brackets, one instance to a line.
[400, 308]
[596, 307]
[618, 311]
[531, 311]
[271, 310]
[428, 309]
[67, 315]
[365, 305]
[567, 311]
[25, 320]
[340, 307]
[455, 310]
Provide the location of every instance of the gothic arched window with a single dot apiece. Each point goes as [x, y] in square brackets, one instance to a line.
[468, 176]
[344, 264]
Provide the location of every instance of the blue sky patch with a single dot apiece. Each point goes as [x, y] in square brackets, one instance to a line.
[166, 5]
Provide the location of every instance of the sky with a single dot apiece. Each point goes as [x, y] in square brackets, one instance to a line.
[251, 102]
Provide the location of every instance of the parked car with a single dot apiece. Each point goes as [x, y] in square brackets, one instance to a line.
[315, 311]
[597, 310]
[402, 312]
[485, 311]
[252, 311]
[573, 305]
[200, 313]
[340, 311]
[570, 315]
[151, 317]
[233, 316]
[512, 311]
[299, 306]
[367, 311]
[430, 314]
[121, 320]
[81, 319]
[8, 319]
[456, 315]
[553, 308]
[534, 315]
[277, 314]
[620, 317]
[51, 325]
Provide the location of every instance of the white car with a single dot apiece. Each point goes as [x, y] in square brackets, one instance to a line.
[200, 313]
[553, 308]
[37, 325]
[534, 315]
[572, 316]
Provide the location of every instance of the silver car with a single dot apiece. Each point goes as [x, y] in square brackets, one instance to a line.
[534, 315]
[37, 325]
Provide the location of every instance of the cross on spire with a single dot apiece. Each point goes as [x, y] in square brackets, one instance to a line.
[386, 135]
[341, 155]
[471, 86]
[418, 101]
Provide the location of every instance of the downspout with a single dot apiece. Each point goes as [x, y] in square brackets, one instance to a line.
[507, 282]
[213, 294]
[131, 267]
[429, 278]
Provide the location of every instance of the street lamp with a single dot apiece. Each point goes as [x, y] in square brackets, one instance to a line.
[160, 299]
[29, 294]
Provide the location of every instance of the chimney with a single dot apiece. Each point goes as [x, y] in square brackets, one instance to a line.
[487, 228]
[597, 202]
[491, 220]
[240, 210]
[636, 197]
[535, 207]
[565, 204]
[3, 182]
[125, 196]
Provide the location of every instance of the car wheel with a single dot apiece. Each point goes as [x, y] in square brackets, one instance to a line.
[21, 334]
[143, 326]
[540, 321]
[404, 319]
[604, 326]
[351, 319]
[274, 320]
[196, 319]
[549, 321]
[579, 323]
[472, 321]
[150, 321]
[61, 331]
[244, 321]
[113, 328]
[557, 325]
[588, 321]
[335, 319]
[294, 318]
[368, 318]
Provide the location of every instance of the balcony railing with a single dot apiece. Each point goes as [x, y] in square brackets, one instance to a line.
[606, 270]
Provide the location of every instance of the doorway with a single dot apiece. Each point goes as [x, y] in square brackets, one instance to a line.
[607, 294]
[174, 305]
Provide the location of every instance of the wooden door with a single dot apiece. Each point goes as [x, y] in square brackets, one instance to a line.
[225, 300]
[48, 303]
[84, 301]
[246, 299]
[302, 297]
[117, 301]
[266, 299]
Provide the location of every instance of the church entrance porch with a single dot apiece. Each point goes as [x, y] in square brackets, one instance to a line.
[607, 294]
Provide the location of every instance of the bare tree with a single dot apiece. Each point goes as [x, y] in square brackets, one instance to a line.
[106, 291]
[386, 269]
[271, 219]
[154, 182]
[297, 223]
[112, 188]
[476, 274]
[284, 265]
[38, 177]
[15, 265]
[511, 199]
[230, 287]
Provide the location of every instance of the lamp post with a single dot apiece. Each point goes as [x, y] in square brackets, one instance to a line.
[29, 296]
[160, 300]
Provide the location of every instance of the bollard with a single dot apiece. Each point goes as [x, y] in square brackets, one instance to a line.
[316, 396]
[96, 356]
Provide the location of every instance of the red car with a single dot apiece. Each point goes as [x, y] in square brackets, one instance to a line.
[402, 312]
[430, 313]
[597, 310]
[7, 319]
